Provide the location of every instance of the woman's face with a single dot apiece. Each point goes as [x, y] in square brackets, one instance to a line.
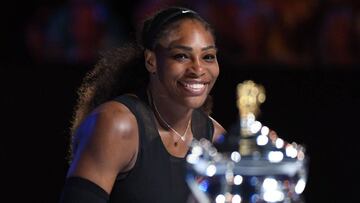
[186, 64]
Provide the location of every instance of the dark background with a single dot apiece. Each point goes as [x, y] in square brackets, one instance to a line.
[312, 96]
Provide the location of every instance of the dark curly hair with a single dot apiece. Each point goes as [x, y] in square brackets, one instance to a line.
[122, 70]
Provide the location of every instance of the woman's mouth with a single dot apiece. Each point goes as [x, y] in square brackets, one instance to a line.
[193, 88]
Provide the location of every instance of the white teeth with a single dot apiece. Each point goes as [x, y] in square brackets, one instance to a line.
[194, 86]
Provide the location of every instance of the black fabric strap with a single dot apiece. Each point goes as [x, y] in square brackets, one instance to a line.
[80, 190]
[202, 125]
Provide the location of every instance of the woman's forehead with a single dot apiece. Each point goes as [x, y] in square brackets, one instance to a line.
[187, 31]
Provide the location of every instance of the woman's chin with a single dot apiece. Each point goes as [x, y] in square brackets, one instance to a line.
[195, 102]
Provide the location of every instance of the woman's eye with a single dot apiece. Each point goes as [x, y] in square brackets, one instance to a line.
[209, 57]
[180, 57]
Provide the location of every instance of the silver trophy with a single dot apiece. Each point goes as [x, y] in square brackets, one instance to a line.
[256, 166]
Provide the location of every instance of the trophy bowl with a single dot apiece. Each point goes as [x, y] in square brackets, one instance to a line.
[255, 165]
[280, 176]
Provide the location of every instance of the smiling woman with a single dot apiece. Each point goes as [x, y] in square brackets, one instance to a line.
[130, 140]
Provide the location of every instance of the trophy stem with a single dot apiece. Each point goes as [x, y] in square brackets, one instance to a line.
[250, 96]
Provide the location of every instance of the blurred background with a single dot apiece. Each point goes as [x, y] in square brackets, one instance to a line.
[304, 52]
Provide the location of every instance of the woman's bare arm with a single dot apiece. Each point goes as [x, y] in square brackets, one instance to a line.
[108, 144]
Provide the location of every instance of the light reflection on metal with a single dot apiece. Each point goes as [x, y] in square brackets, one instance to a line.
[192, 158]
[291, 151]
[275, 156]
[220, 198]
[197, 151]
[255, 127]
[265, 130]
[262, 140]
[235, 156]
[211, 170]
[270, 184]
[279, 143]
[273, 196]
[236, 199]
[300, 186]
[238, 179]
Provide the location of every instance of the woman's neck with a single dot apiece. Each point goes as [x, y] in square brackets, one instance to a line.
[173, 113]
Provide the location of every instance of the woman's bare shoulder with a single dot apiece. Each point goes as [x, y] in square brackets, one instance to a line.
[116, 117]
[107, 143]
[113, 126]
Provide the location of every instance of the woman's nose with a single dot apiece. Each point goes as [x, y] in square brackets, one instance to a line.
[197, 68]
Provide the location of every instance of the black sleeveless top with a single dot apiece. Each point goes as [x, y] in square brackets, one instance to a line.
[157, 176]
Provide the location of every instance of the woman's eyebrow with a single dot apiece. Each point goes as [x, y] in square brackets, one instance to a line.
[209, 47]
[187, 48]
[177, 46]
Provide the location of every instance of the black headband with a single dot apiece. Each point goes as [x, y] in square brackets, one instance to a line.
[162, 18]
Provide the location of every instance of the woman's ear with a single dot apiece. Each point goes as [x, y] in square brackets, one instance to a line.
[150, 61]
